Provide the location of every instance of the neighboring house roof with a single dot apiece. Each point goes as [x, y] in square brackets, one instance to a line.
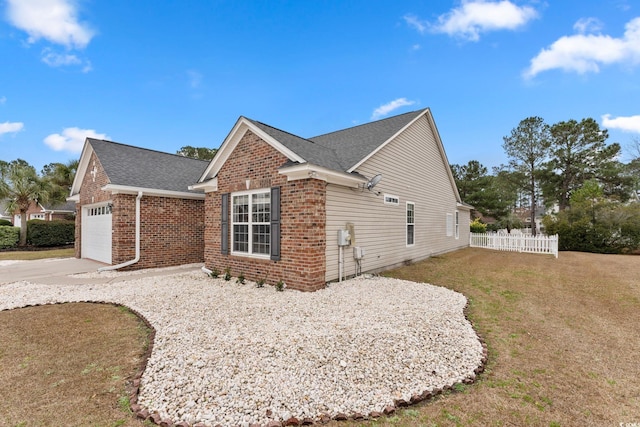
[136, 168]
[59, 207]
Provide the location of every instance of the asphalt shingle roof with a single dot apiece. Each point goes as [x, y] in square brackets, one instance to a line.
[141, 167]
[353, 144]
[307, 149]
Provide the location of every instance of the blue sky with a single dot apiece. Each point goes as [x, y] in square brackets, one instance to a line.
[163, 74]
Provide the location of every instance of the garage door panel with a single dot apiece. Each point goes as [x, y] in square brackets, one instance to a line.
[96, 233]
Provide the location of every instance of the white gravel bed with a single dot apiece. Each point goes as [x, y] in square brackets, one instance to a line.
[116, 273]
[233, 354]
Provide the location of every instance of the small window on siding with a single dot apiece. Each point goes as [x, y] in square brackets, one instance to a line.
[391, 200]
[411, 223]
[457, 225]
[449, 225]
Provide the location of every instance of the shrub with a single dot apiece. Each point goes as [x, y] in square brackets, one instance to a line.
[227, 274]
[50, 233]
[4, 222]
[478, 226]
[240, 279]
[215, 273]
[9, 236]
[280, 286]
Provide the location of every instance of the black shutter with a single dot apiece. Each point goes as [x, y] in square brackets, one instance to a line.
[275, 224]
[224, 225]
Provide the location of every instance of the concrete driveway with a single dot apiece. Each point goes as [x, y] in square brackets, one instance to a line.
[50, 270]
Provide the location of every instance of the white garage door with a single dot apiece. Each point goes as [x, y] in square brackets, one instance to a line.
[96, 233]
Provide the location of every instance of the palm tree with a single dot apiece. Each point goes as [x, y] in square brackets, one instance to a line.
[21, 186]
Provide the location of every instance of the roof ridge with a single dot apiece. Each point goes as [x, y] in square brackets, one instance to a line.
[280, 130]
[146, 149]
[368, 123]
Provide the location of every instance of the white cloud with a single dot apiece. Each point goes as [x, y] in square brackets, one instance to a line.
[585, 53]
[474, 17]
[53, 20]
[587, 25]
[385, 109]
[72, 139]
[414, 22]
[626, 124]
[10, 127]
[55, 59]
[3, 100]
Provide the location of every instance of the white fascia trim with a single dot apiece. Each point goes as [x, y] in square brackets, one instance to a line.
[307, 170]
[207, 186]
[83, 164]
[74, 198]
[232, 140]
[125, 189]
[463, 206]
[381, 146]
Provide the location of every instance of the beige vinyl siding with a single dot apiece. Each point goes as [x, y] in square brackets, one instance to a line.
[414, 170]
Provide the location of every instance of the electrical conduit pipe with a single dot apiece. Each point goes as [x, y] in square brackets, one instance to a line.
[137, 258]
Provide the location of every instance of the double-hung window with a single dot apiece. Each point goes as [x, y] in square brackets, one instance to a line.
[411, 223]
[251, 220]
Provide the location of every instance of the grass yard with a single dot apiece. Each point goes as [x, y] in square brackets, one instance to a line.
[31, 255]
[67, 365]
[563, 337]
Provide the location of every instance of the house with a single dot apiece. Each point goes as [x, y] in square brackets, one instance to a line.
[134, 208]
[47, 212]
[310, 211]
[5, 213]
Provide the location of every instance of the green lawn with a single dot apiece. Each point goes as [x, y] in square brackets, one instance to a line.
[31, 255]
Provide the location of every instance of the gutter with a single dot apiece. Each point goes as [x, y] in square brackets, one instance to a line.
[137, 258]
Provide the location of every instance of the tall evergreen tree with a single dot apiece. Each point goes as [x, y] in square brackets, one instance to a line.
[60, 176]
[527, 148]
[578, 153]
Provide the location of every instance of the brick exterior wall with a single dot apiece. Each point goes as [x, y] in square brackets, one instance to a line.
[303, 218]
[171, 232]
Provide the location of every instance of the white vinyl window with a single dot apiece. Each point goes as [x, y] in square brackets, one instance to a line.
[391, 200]
[37, 216]
[457, 225]
[251, 219]
[449, 225]
[411, 223]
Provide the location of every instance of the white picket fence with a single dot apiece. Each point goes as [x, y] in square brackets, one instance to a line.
[539, 244]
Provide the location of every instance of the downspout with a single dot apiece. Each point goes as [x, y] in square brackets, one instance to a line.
[137, 258]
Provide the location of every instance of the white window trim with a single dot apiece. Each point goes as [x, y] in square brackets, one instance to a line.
[250, 223]
[456, 224]
[449, 225]
[392, 203]
[407, 224]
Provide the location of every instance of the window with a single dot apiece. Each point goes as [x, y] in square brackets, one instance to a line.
[37, 216]
[251, 219]
[411, 223]
[449, 225]
[457, 225]
[391, 200]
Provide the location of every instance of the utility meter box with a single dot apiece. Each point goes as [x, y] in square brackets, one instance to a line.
[358, 252]
[344, 238]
